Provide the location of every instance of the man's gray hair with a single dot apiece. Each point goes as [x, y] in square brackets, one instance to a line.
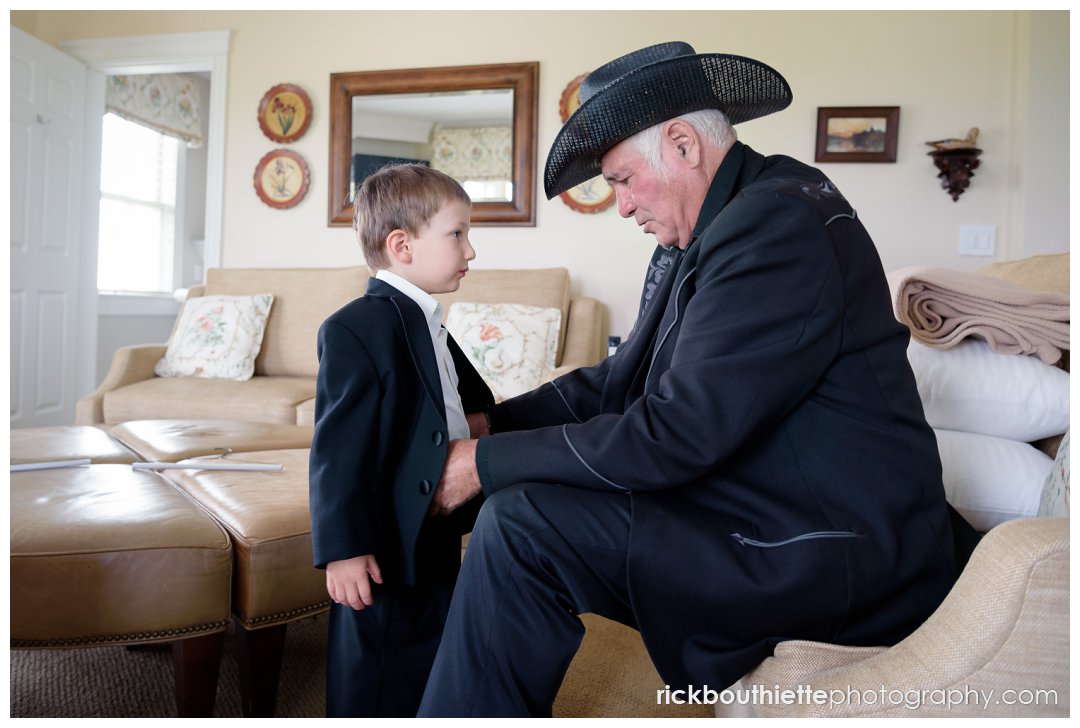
[711, 124]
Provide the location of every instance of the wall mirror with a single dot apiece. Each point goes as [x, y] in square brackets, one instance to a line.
[477, 123]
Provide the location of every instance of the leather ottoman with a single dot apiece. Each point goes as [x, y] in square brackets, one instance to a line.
[44, 444]
[102, 555]
[267, 516]
[175, 440]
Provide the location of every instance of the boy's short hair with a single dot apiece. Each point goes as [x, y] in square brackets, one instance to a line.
[400, 196]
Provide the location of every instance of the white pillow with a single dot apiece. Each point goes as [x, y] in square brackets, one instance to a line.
[990, 480]
[217, 337]
[511, 345]
[1055, 492]
[973, 389]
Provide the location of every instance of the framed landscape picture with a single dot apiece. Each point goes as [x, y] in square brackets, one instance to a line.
[857, 133]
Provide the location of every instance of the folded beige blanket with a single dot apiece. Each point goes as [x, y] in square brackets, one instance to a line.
[942, 307]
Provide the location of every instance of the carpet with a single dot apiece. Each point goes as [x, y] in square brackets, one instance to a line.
[611, 676]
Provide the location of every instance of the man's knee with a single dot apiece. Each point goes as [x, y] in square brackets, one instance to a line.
[508, 510]
[526, 509]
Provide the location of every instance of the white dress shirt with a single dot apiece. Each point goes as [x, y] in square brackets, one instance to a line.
[457, 425]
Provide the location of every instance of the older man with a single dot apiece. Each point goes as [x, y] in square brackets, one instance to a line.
[753, 465]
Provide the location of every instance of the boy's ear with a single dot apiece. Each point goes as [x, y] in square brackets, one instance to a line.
[397, 246]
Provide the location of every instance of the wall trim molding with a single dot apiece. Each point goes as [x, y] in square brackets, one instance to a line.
[133, 304]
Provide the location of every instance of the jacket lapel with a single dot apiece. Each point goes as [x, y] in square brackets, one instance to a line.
[473, 390]
[417, 338]
[631, 362]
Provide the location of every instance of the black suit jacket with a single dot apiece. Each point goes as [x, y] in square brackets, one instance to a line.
[380, 433]
[764, 421]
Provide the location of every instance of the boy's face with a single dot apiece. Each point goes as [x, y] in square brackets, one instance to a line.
[442, 251]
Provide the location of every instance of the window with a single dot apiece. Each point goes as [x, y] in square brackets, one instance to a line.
[496, 190]
[138, 208]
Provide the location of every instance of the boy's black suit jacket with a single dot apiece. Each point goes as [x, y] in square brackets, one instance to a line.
[380, 433]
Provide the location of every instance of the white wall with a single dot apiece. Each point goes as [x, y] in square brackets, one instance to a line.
[119, 328]
[1005, 72]
[1044, 214]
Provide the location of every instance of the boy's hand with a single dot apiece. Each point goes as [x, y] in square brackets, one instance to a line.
[347, 580]
[478, 424]
[459, 482]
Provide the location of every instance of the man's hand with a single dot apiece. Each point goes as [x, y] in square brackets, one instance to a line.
[459, 481]
[347, 580]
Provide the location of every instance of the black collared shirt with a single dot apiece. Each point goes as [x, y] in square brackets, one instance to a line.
[721, 189]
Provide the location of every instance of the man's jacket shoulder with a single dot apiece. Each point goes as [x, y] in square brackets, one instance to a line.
[783, 176]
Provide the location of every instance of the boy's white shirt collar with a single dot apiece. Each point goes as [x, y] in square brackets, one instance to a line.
[456, 423]
[432, 309]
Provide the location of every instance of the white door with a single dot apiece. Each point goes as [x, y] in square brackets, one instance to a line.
[47, 231]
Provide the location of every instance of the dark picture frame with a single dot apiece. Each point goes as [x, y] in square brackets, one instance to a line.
[522, 78]
[857, 133]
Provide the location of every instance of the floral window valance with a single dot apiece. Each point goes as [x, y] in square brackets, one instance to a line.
[479, 153]
[167, 103]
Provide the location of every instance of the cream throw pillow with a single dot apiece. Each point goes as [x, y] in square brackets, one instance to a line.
[511, 345]
[217, 337]
[970, 388]
[990, 480]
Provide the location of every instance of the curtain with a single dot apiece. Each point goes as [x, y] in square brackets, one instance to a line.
[479, 153]
[167, 103]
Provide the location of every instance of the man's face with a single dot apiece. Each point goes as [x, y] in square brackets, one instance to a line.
[658, 202]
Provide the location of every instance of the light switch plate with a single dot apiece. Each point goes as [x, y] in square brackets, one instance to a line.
[977, 239]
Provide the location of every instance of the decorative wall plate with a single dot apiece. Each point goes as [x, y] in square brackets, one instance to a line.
[281, 178]
[284, 113]
[568, 102]
[594, 195]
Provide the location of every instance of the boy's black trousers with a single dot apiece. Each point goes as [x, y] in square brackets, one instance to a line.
[378, 659]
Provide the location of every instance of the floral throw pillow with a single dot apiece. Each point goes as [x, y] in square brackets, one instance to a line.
[217, 337]
[1055, 493]
[511, 345]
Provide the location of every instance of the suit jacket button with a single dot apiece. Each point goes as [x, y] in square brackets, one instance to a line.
[437, 438]
[425, 487]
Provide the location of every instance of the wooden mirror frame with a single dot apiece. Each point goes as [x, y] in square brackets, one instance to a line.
[521, 77]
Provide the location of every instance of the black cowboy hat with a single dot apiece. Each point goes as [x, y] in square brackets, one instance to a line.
[650, 86]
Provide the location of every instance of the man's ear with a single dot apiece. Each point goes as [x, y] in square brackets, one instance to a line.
[398, 247]
[683, 142]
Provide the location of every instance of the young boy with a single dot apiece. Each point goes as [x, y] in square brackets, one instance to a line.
[393, 390]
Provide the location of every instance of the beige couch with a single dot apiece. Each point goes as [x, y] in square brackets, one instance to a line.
[283, 388]
[998, 646]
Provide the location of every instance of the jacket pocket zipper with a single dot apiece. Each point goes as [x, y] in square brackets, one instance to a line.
[804, 537]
